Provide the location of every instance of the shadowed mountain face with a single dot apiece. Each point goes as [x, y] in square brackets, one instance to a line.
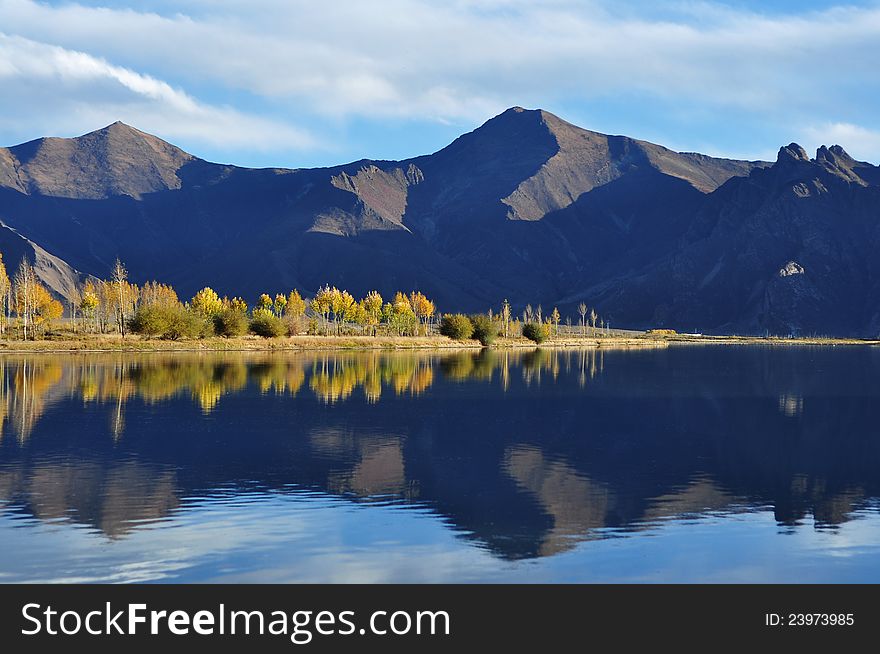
[526, 207]
[786, 249]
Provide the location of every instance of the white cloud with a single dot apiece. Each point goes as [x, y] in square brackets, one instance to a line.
[62, 89]
[860, 142]
[397, 57]
[461, 61]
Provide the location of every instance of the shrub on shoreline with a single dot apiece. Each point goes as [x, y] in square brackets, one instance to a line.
[267, 324]
[536, 332]
[169, 322]
[230, 322]
[456, 326]
[484, 330]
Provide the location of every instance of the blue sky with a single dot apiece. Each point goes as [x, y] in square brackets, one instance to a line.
[301, 83]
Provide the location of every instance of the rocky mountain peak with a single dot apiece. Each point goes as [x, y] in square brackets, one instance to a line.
[838, 162]
[115, 160]
[835, 155]
[792, 152]
[791, 268]
[839, 152]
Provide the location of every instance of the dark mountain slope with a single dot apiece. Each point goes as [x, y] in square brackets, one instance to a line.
[527, 207]
[787, 249]
[531, 163]
[465, 224]
[485, 199]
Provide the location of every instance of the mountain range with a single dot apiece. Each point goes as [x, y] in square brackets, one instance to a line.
[527, 207]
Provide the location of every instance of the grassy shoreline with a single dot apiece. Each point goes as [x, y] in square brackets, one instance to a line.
[764, 340]
[115, 343]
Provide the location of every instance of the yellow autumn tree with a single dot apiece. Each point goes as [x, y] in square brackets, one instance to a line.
[322, 303]
[236, 304]
[279, 304]
[89, 303]
[4, 295]
[46, 308]
[294, 310]
[401, 302]
[399, 315]
[422, 307]
[343, 305]
[296, 306]
[206, 303]
[372, 305]
[265, 302]
[156, 294]
[24, 296]
[358, 315]
[107, 301]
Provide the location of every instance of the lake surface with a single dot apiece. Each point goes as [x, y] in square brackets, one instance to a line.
[686, 464]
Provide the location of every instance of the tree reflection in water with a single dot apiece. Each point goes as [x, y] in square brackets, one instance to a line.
[523, 452]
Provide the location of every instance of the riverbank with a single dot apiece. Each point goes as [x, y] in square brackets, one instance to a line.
[760, 340]
[133, 343]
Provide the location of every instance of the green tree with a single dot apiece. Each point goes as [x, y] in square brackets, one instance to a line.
[484, 329]
[169, 321]
[266, 323]
[230, 321]
[535, 331]
[456, 326]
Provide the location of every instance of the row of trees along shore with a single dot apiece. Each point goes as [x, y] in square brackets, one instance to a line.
[535, 326]
[118, 306]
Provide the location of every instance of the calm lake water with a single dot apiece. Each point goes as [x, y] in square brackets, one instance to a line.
[684, 464]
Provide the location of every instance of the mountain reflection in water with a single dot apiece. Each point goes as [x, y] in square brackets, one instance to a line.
[523, 454]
